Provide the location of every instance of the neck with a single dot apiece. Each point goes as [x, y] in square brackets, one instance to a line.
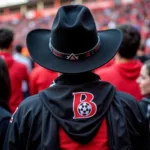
[140, 53]
[119, 59]
[59, 74]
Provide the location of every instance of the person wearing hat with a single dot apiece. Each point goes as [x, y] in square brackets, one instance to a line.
[78, 111]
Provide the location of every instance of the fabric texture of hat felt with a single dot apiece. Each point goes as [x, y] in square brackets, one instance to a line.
[73, 45]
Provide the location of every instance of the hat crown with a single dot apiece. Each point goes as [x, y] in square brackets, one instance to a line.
[74, 30]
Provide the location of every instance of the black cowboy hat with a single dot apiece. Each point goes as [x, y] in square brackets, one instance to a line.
[73, 45]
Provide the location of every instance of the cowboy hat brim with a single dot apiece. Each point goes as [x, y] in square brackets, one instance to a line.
[38, 46]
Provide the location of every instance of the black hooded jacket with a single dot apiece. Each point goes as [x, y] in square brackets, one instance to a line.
[4, 121]
[35, 124]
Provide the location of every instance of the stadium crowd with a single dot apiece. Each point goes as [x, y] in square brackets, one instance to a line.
[137, 14]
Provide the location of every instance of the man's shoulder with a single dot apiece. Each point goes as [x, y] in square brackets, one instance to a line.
[130, 105]
[28, 110]
[106, 72]
[126, 97]
[127, 100]
[36, 70]
[135, 116]
[32, 102]
[4, 113]
[105, 69]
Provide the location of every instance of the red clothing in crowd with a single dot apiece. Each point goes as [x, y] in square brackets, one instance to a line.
[123, 76]
[18, 73]
[100, 141]
[41, 79]
[110, 63]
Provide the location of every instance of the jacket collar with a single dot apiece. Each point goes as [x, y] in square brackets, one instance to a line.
[80, 78]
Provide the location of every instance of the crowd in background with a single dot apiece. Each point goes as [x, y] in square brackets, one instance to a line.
[137, 14]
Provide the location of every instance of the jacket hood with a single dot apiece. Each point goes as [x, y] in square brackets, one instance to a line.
[69, 103]
[7, 57]
[130, 70]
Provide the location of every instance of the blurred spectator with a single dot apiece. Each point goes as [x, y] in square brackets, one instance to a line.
[22, 59]
[41, 79]
[17, 71]
[124, 72]
[27, 62]
[5, 92]
[147, 43]
[111, 24]
[144, 84]
[144, 80]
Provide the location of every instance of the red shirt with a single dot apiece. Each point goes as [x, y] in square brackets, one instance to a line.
[41, 79]
[18, 73]
[123, 76]
[108, 64]
[100, 141]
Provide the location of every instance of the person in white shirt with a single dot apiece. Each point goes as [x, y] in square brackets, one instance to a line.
[22, 59]
[27, 62]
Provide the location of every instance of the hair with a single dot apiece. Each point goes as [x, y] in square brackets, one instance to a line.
[131, 41]
[142, 47]
[6, 38]
[5, 85]
[18, 48]
[147, 64]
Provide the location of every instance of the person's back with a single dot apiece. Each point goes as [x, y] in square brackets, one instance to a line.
[17, 71]
[125, 70]
[5, 91]
[78, 111]
[18, 74]
[123, 76]
[40, 79]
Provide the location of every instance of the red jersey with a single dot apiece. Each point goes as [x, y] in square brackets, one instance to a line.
[18, 73]
[41, 79]
[123, 76]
